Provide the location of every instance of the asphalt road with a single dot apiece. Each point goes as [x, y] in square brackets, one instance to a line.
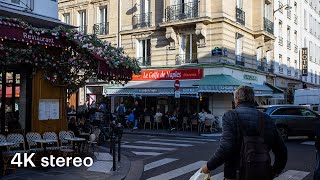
[179, 158]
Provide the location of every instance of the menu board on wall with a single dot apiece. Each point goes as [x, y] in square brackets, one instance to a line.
[48, 109]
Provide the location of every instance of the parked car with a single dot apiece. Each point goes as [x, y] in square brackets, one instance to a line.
[293, 120]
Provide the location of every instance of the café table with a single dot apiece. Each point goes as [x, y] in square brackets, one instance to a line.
[86, 136]
[44, 143]
[74, 140]
[2, 145]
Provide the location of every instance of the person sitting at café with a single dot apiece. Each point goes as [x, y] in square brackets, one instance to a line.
[72, 126]
[158, 115]
[202, 115]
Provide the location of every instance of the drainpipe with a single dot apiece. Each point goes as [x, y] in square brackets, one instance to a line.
[119, 23]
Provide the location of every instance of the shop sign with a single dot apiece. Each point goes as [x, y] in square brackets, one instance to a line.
[19, 34]
[250, 77]
[172, 74]
[304, 61]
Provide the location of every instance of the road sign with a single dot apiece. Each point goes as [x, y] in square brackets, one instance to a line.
[177, 94]
[177, 85]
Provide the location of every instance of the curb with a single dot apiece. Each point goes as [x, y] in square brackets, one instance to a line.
[135, 171]
[123, 167]
[168, 135]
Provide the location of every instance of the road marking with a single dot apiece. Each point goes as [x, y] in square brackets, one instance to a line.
[165, 144]
[195, 139]
[176, 140]
[180, 171]
[158, 163]
[212, 135]
[219, 176]
[309, 143]
[146, 153]
[292, 175]
[148, 148]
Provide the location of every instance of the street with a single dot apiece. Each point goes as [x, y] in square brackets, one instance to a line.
[180, 158]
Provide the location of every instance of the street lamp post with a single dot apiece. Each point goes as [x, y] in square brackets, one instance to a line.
[286, 7]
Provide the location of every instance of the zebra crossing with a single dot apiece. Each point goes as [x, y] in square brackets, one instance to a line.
[157, 146]
[194, 166]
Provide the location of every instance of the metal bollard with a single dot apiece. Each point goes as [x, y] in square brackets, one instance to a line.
[119, 133]
[114, 153]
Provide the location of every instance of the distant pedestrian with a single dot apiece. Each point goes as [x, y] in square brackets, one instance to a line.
[247, 138]
[121, 112]
[136, 113]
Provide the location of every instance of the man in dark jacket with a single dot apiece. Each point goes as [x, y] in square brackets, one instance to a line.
[228, 153]
[136, 113]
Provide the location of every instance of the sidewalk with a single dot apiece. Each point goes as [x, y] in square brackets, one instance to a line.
[162, 132]
[100, 170]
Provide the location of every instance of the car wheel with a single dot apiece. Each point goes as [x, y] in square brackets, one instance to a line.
[283, 133]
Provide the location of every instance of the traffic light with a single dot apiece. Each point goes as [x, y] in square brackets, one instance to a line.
[200, 98]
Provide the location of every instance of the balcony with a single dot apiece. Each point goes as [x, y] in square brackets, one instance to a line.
[289, 45]
[295, 48]
[280, 41]
[295, 19]
[268, 25]
[144, 61]
[83, 29]
[142, 20]
[261, 65]
[182, 11]
[289, 14]
[289, 72]
[240, 60]
[240, 16]
[101, 28]
[186, 58]
[271, 69]
[296, 74]
[280, 70]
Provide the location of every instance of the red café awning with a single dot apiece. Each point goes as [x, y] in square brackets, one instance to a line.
[9, 92]
[12, 31]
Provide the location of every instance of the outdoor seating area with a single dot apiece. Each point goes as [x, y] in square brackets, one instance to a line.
[64, 144]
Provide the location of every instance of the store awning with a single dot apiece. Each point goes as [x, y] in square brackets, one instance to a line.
[151, 88]
[277, 92]
[218, 84]
[227, 84]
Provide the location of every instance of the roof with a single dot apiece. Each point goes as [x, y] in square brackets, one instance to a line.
[218, 80]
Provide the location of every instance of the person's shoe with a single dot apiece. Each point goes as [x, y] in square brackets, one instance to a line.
[135, 128]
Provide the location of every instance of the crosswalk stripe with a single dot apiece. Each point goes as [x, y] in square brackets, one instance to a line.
[166, 144]
[177, 140]
[180, 171]
[309, 143]
[158, 163]
[148, 148]
[219, 176]
[198, 139]
[146, 153]
[292, 175]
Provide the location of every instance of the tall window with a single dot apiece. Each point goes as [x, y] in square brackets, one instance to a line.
[305, 19]
[295, 64]
[288, 63]
[315, 77]
[310, 23]
[103, 14]
[82, 21]
[66, 18]
[144, 52]
[280, 59]
[295, 38]
[310, 50]
[188, 48]
[240, 4]
[280, 28]
[295, 8]
[311, 75]
[268, 10]
[268, 57]
[259, 54]
[288, 33]
[305, 42]
[145, 6]
[239, 44]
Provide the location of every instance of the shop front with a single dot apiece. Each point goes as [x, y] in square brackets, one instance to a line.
[155, 89]
[288, 86]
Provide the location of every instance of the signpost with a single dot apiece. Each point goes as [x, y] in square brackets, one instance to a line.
[177, 89]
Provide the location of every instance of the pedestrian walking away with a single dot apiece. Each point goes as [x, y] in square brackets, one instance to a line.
[121, 112]
[248, 137]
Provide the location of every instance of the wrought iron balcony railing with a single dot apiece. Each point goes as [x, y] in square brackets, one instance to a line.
[182, 11]
[240, 60]
[289, 14]
[101, 28]
[289, 45]
[83, 29]
[289, 72]
[280, 70]
[186, 58]
[240, 16]
[144, 61]
[142, 20]
[280, 41]
[296, 74]
[268, 25]
[295, 48]
[261, 65]
[271, 68]
[295, 19]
